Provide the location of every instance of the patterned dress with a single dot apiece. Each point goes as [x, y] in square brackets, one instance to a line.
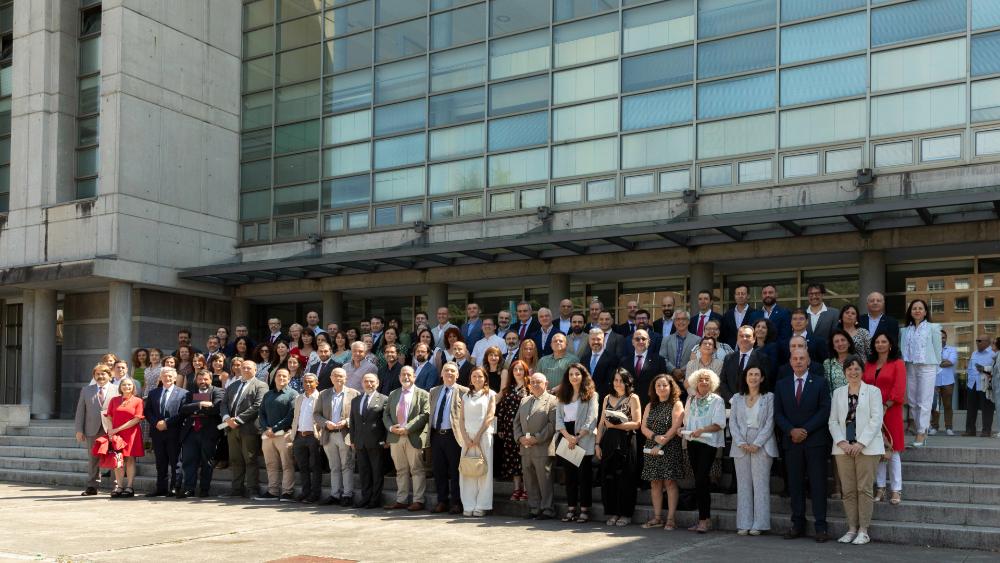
[670, 465]
[508, 455]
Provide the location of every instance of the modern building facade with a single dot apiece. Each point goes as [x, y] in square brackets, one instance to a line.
[247, 159]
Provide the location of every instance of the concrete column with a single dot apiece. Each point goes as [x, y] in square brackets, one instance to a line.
[333, 308]
[702, 276]
[239, 312]
[558, 290]
[43, 396]
[437, 297]
[871, 275]
[27, 346]
[120, 319]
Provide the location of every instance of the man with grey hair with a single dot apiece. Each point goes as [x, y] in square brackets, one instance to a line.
[674, 348]
[163, 413]
[331, 414]
[306, 449]
[239, 413]
[546, 330]
[358, 366]
[534, 428]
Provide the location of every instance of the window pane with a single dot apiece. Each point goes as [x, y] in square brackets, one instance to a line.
[519, 131]
[457, 107]
[458, 27]
[824, 81]
[587, 40]
[412, 213]
[445, 4]
[457, 141]
[941, 148]
[639, 185]
[921, 64]
[800, 165]
[300, 101]
[675, 180]
[349, 19]
[255, 175]
[87, 133]
[824, 38]
[357, 220]
[400, 151]
[520, 54]
[300, 64]
[296, 168]
[296, 199]
[348, 127]
[258, 74]
[402, 40]
[799, 9]
[894, 154]
[531, 199]
[657, 108]
[588, 157]
[987, 142]
[397, 81]
[585, 83]
[519, 95]
[348, 91]
[986, 100]
[385, 216]
[714, 176]
[260, 42]
[737, 54]
[912, 20]
[293, 8]
[916, 111]
[600, 190]
[658, 69]
[258, 13]
[843, 160]
[400, 117]
[823, 124]
[737, 95]
[87, 162]
[985, 13]
[507, 16]
[90, 96]
[656, 148]
[348, 53]
[460, 176]
[255, 205]
[387, 11]
[347, 160]
[458, 67]
[586, 120]
[755, 171]
[90, 55]
[568, 193]
[986, 53]
[347, 192]
[399, 184]
[519, 167]
[719, 17]
[303, 31]
[470, 206]
[297, 137]
[736, 136]
[569, 9]
[501, 202]
[443, 209]
[663, 23]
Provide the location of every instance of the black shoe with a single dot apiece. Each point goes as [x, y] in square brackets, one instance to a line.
[544, 516]
[202, 494]
[156, 494]
[89, 492]
[183, 494]
[821, 537]
[287, 498]
[359, 505]
[301, 497]
[266, 496]
[531, 516]
[372, 505]
[793, 533]
[328, 501]
[311, 500]
[346, 502]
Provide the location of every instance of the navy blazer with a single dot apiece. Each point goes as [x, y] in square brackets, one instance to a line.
[210, 416]
[886, 325]
[428, 376]
[603, 373]
[696, 315]
[815, 368]
[545, 348]
[655, 340]
[475, 335]
[533, 329]
[781, 318]
[812, 413]
[151, 410]
[652, 365]
[728, 330]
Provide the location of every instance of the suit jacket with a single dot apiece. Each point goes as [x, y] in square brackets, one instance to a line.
[652, 365]
[729, 330]
[867, 419]
[417, 418]
[545, 345]
[475, 335]
[438, 333]
[765, 430]
[731, 374]
[323, 411]
[245, 412]
[577, 344]
[210, 416]
[90, 419]
[533, 329]
[457, 391]
[464, 372]
[696, 316]
[323, 375]
[886, 325]
[172, 413]
[603, 373]
[818, 349]
[827, 321]
[668, 349]
[781, 318]
[812, 413]
[655, 341]
[297, 410]
[614, 343]
[280, 337]
[625, 329]
[367, 430]
[428, 376]
[537, 416]
[785, 371]
[587, 418]
[658, 326]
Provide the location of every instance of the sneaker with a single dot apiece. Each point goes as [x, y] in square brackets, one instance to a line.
[949, 432]
[755, 532]
[265, 496]
[848, 537]
[862, 539]
[742, 532]
[931, 431]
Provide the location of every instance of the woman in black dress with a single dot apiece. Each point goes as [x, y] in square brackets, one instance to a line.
[663, 465]
[509, 463]
[493, 364]
[616, 449]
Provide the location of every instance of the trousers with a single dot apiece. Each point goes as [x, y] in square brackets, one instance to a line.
[198, 455]
[856, 475]
[341, 459]
[920, 379]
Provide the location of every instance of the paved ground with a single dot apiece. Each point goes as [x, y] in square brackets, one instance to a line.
[55, 524]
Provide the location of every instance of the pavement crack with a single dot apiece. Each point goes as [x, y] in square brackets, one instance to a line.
[178, 541]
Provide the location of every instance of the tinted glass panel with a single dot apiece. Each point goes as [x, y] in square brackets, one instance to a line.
[587, 40]
[296, 168]
[458, 67]
[348, 53]
[569, 9]
[657, 108]
[521, 54]
[457, 141]
[458, 27]
[403, 40]
[400, 117]
[823, 81]
[300, 64]
[460, 176]
[400, 184]
[738, 95]
[585, 83]
[824, 38]
[519, 95]
[663, 23]
[257, 110]
[737, 54]
[296, 199]
[920, 18]
[719, 17]
[348, 127]
[519, 131]
[799, 9]
[349, 19]
[985, 13]
[296, 137]
[348, 91]
[400, 151]
[347, 192]
[296, 102]
[394, 10]
[986, 53]
[397, 81]
[507, 16]
[658, 69]
[519, 167]
[456, 107]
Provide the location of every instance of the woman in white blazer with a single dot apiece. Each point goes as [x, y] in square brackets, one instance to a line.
[920, 342]
[856, 427]
[751, 422]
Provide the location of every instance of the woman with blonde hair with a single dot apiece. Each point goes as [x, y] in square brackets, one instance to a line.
[704, 421]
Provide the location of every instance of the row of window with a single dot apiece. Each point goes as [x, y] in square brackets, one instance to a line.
[88, 94]
[6, 58]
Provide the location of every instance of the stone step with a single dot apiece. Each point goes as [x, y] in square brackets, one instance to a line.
[42, 430]
[78, 452]
[63, 441]
[980, 451]
[951, 472]
[951, 492]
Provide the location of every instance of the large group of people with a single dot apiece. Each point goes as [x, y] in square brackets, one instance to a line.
[644, 404]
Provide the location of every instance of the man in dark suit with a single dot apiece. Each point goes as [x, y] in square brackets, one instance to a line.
[472, 328]
[163, 413]
[461, 359]
[546, 330]
[704, 313]
[642, 322]
[601, 363]
[628, 327]
[200, 433]
[665, 324]
[239, 412]
[643, 363]
[822, 319]
[785, 370]
[818, 349]
[324, 367]
[445, 451]
[778, 315]
[801, 411]
[736, 363]
[424, 371]
[614, 343]
[738, 315]
[368, 440]
[377, 326]
[526, 325]
[876, 321]
[275, 335]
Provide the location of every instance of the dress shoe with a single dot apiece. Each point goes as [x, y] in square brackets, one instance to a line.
[415, 507]
[287, 497]
[360, 505]
[155, 494]
[301, 497]
[183, 494]
[822, 537]
[968, 434]
[456, 509]
[311, 500]
[328, 501]
[89, 492]
[530, 516]
[439, 508]
[793, 533]
[544, 516]
[346, 502]
[396, 506]
[203, 494]
[222, 465]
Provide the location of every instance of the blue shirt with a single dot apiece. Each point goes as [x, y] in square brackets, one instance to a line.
[444, 401]
[946, 376]
[984, 358]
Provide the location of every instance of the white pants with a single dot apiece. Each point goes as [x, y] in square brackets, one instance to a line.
[920, 379]
[895, 467]
[341, 459]
[477, 492]
[753, 491]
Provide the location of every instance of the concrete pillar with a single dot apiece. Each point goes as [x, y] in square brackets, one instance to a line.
[333, 308]
[871, 275]
[558, 290]
[44, 391]
[239, 312]
[702, 276]
[27, 346]
[437, 297]
[120, 319]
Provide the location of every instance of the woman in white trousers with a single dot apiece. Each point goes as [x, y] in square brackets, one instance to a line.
[920, 342]
[475, 424]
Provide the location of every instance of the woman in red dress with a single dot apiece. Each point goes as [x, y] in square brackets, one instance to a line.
[125, 411]
[885, 369]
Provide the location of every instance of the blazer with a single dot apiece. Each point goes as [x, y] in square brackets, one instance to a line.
[603, 373]
[730, 375]
[297, 410]
[417, 419]
[245, 412]
[812, 413]
[668, 349]
[464, 372]
[614, 343]
[765, 425]
[728, 331]
[323, 375]
[652, 365]
[781, 318]
[438, 333]
[867, 419]
[458, 391]
[545, 345]
[586, 419]
[931, 344]
[211, 416]
[695, 316]
[533, 329]
[367, 430]
[658, 326]
[828, 320]
[886, 325]
[655, 341]
[475, 335]
[323, 412]
[577, 344]
[427, 377]
[177, 399]
[90, 419]
[815, 368]
[625, 329]
[537, 416]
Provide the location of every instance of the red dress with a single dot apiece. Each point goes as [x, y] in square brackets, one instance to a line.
[891, 381]
[122, 411]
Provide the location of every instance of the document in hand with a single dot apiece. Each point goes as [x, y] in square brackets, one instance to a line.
[574, 456]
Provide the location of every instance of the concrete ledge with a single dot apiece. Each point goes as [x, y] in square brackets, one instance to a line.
[16, 416]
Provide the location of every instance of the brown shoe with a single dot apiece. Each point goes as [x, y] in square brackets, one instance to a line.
[395, 506]
[416, 507]
[456, 509]
[439, 508]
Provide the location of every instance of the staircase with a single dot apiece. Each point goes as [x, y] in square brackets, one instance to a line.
[951, 488]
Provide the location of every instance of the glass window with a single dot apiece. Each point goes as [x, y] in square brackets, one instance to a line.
[985, 13]
[736, 54]
[457, 107]
[921, 64]
[658, 69]
[736, 136]
[518, 167]
[470, 206]
[90, 55]
[824, 81]
[401, 80]
[288, 9]
[986, 100]
[87, 162]
[348, 127]
[567, 193]
[894, 154]
[987, 142]
[913, 20]
[445, 4]
[255, 205]
[260, 42]
[715, 176]
[349, 159]
[600, 190]
[675, 180]
[986, 53]
[255, 174]
[255, 144]
[843, 160]
[755, 171]
[296, 199]
[800, 9]
[502, 202]
[350, 18]
[508, 16]
[916, 111]
[588, 157]
[385, 216]
[587, 120]
[941, 148]
[347, 192]
[348, 91]
[400, 117]
[657, 108]
[823, 124]
[656, 148]
[531, 199]
[300, 64]
[303, 31]
[412, 213]
[400, 151]
[570, 9]
[297, 137]
[357, 220]
[284, 228]
[824, 38]
[457, 141]
[584, 83]
[586, 40]
[656, 25]
[458, 27]
[443, 209]
[402, 40]
[348, 53]
[258, 13]
[519, 131]
[257, 110]
[296, 168]
[387, 11]
[520, 54]
[400, 184]
[736, 95]
[90, 96]
[460, 176]
[519, 95]
[720, 17]
[300, 101]
[800, 165]
[258, 74]
[639, 185]
[459, 67]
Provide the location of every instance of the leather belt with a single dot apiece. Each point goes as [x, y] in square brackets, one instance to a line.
[443, 432]
[305, 433]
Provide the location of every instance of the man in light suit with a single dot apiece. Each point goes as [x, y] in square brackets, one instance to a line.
[332, 413]
[534, 428]
[445, 451]
[472, 328]
[163, 413]
[676, 348]
[324, 367]
[239, 412]
[200, 433]
[738, 315]
[822, 319]
[90, 422]
[577, 340]
[406, 419]
[306, 449]
[602, 364]
[367, 433]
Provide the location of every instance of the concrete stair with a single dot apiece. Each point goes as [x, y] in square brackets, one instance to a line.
[951, 490]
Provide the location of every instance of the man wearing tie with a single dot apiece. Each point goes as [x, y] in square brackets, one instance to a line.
[577, 340]
[274, 326]
[90, 421]
[445, 451]
[239, 412]
[534, 428]
[200, 433]
[163, 413]
[368, 440]
[406, 420]
[643, 364]
[513, 347]
[526, 325]
[628, 327]
[331, 414]
[472, 328]
[705, 312]
[377, 325]
[642, 322]
[602, 364]
[324, 367]
[736, 362]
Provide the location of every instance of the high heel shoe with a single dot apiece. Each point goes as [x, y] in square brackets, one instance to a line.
[879, 494]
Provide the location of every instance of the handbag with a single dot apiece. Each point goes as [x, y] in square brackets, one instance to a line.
[615, 416]
[473, 466]
[887, 438]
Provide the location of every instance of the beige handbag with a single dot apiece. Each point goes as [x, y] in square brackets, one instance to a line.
[473, 466]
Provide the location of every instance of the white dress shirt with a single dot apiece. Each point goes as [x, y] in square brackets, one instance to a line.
[305, 422]
[479, 350]
[814, 317]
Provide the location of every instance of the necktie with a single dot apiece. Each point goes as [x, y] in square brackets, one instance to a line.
[798, 390]
[100, 395]
[163, 402]
[743, 360]
[321, 366]
[439, 418]
[520, 332]
[364, 404]
[701, 324]
[680, 352]
[239, 391]
[593, 362]
[401, 409]
[638, 365]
